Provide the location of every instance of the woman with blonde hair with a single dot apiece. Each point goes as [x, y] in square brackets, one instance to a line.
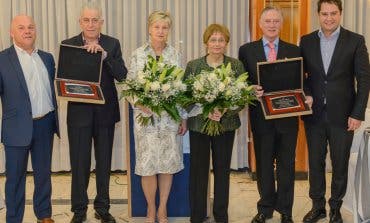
[158, 147]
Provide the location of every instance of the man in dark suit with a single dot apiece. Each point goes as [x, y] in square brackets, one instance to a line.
[334, 57]
[29, 120]
[274, 140]
[87, 122]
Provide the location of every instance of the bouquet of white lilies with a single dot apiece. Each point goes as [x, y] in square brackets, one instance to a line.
[159, 87]
[219, 89]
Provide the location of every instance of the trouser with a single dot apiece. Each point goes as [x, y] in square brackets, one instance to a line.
[80, 143]
[200, 146]
[16, 160]
[340, 141]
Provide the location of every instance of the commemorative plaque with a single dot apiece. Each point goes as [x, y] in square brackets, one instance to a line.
[78, 75]
[282, 82]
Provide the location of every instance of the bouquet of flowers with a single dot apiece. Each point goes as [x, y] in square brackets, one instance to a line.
[219, 89]
[159, 87]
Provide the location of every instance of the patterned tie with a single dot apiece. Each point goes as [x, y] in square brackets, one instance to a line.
[272, 53]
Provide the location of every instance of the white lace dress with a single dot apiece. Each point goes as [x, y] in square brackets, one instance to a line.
[158, 147]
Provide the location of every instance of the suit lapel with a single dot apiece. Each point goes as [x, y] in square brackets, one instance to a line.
[259, 51]
[337, 50]
[317, 48]
[48, 67]
[102, 41]
[79, 41]
[18, 68]
[281, 50]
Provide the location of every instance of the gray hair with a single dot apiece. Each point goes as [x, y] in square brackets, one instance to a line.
[92, 6]
[270, 8]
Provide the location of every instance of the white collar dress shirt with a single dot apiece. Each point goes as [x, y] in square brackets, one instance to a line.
[37, 80]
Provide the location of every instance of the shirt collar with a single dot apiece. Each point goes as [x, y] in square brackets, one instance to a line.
[84, 40]
[148, 46]
[334, 34]
[265, 41]
[20, 50]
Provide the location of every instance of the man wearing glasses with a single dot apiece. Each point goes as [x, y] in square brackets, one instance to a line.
[91, 122]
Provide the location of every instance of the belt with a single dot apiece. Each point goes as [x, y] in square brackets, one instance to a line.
[40, 117]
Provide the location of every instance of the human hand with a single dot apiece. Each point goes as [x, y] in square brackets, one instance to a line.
[182, 128]
[94, 48]
[258, 90]
[145, 110]
[309, 101]
[353, 124]
[215, 115]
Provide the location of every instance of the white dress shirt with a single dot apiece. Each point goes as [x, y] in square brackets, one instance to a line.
[37, 80]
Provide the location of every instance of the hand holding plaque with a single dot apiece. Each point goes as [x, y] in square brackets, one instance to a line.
[78, 75]
[282, 82]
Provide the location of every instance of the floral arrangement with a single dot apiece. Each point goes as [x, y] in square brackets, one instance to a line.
[219, 89]
[159, 87]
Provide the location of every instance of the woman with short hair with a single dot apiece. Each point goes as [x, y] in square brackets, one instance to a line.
[158, 147]
[216, 38]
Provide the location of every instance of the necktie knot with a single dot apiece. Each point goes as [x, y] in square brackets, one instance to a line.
[271, 45]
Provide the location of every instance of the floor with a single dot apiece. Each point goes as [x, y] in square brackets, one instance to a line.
[243, 198]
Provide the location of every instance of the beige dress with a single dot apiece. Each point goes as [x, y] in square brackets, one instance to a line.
[2, 205]
[158, 147]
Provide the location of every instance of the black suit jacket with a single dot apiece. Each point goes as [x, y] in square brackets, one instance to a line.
[350, 60]
[84, 114]
[250, 54]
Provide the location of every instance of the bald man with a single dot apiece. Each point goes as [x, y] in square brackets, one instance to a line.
[28, 120]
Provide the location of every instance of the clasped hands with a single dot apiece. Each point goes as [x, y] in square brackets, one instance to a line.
[216, 115]
[182, 126]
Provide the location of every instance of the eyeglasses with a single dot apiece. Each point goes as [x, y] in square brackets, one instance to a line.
[272, 21]
[215, 40]
[94, 21]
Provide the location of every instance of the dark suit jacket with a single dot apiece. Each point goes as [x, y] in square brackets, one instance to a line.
[350, 60]
[17, 124]
[83, 114]
[249, 55]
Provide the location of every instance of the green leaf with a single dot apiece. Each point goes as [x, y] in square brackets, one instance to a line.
[162, 76]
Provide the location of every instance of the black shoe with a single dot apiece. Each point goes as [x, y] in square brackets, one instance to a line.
[286, 218]
[105, 218]
[335, 216]
[260, 218]
[314, 215]
[78, 218]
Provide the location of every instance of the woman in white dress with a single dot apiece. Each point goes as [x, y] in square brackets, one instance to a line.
[158, 147]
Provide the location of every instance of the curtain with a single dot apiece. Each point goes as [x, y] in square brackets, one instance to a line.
[125, 20]
[356, 14]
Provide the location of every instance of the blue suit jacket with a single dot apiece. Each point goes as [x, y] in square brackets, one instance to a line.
[17, 123]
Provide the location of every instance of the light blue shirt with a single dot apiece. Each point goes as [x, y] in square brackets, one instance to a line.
[327, 46]
[37, 80]
[267, 48]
